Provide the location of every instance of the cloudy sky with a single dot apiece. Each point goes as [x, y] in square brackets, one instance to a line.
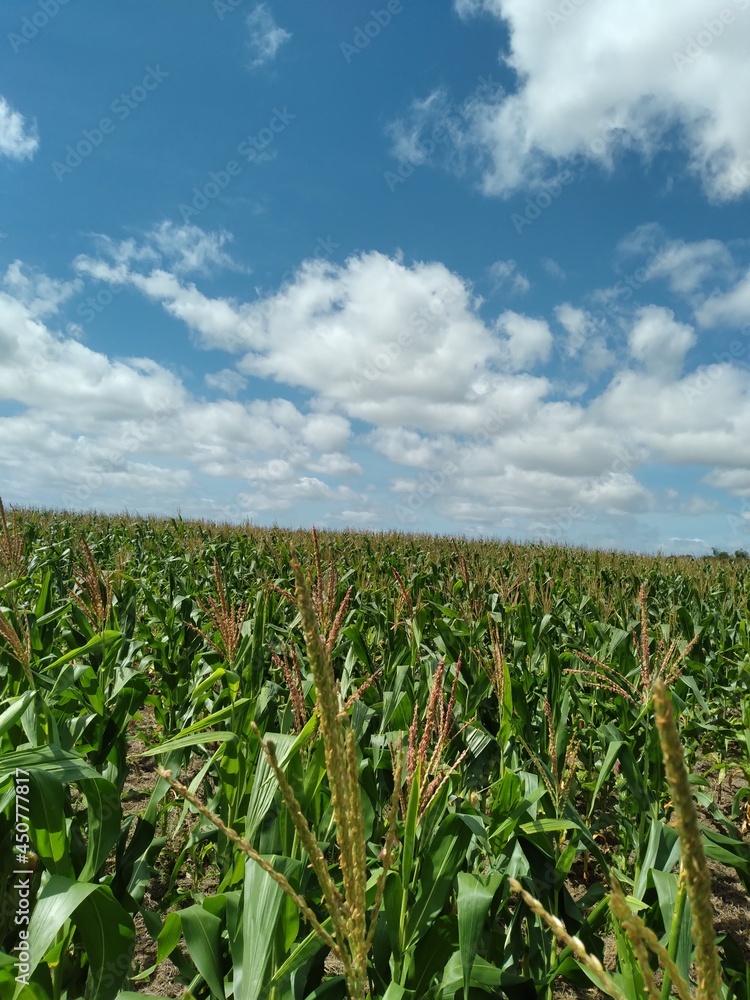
[469, 266]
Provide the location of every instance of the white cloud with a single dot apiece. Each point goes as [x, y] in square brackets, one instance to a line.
[700, 419]
[41, 295]
[266, 37]
[506, 273]
[527, 341]
[433, 130]
[688, 266]
[732, 307]
[126, 432]
[390, 343]
[584, 342]
[18, 141]
[189, 248]
[606, 77]
[577, 325]
[472, 8]
[358, 518]
[64, 376]
[226, 381]
[447, 399]
[659, 342]
[734, 481]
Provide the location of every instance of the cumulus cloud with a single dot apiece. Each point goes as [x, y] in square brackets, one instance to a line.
[226, 381]
[659, 342]
[18, 141]
[731, 307]
[87, 429]
[527, 340]
[391, 343]
[265, 36]
[648, 70]
[688, 268]
[735, 481]
[403, 352]
[41, 294]
[584, 339]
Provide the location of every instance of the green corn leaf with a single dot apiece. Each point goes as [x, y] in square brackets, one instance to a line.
[410, 829]
[48, 824]
[303, 952]
[106, 929]
[169, 937]
[105, 638]
[194, 739]
[438, 871]
[64, 765]
[104, 814]
[109, 938]
[14, 711]
[666, 884]
[473, 901]
[263, 902]
[264, 783]
[606, 769]
[662, 852]
[396, 992]
[202, 933]
[207, 683]
[546, 825]
[484, 976]
[506, 718]
[219, 716]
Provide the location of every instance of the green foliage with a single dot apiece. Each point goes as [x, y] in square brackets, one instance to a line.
[517, 682]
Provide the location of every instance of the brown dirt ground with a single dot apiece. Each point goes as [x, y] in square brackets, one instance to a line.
[730, 898]
[164, 981]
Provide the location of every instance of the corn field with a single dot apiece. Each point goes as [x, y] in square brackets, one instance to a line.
[251, 763]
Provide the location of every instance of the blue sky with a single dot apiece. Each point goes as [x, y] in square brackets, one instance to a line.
[478, 267]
